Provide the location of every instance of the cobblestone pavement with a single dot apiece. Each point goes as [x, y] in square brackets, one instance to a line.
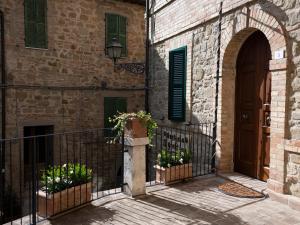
[193, 202]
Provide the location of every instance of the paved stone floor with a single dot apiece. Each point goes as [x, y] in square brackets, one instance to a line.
[194, 202]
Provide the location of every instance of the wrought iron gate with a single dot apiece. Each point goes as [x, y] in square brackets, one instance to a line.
[191, 148]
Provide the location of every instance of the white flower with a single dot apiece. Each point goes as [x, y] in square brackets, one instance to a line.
[181, 160]
[169, 165]
[57, 179]
[64, 166]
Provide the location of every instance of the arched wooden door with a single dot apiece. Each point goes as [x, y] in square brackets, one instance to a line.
[252, 108]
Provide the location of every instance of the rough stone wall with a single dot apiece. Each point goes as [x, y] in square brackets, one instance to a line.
[293, 173]
[199, 18]
[61, 85]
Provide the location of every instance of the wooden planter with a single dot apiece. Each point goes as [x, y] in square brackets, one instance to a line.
[174, 173]
[135, 129]
[52, 204]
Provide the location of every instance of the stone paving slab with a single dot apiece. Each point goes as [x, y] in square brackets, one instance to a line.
[194, 202]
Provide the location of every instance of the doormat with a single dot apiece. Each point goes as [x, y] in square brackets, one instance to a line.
[237, 190]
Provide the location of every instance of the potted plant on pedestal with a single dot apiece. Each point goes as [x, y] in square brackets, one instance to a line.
[64, 187]
[173, 166]
[135, 125]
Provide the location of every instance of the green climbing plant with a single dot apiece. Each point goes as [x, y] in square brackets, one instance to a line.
[145, 118]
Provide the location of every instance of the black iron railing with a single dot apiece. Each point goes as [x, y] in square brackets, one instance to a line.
[178, 153]
[45, 175]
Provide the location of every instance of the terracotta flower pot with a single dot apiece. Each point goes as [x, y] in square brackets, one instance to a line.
[174, 173]
[135, 129]
[52, 204]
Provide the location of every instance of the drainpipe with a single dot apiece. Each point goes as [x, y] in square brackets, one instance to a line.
[192, 79]
[147, 57]
[3, 78]
[217, 86]
[2, 146]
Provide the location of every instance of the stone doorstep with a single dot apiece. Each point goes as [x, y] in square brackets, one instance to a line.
[292, 201]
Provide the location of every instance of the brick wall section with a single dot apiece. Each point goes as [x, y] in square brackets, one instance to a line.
[280, 22]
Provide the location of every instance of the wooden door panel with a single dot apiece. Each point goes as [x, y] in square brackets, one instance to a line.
[252, 91]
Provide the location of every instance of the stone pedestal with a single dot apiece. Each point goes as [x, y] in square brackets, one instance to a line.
[135, 166]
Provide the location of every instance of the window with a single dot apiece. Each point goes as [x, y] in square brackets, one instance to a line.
[43, 145]
[177, 76]
[113, 105]
[35, 23]
[116, 27]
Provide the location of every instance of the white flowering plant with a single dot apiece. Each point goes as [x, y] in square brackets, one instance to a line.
[167, 159]
[58, 178]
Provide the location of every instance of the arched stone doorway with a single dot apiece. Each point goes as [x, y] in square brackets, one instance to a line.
[234, 35]
[253, 107]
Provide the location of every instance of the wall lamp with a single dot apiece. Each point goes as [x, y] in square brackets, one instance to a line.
[114, 51]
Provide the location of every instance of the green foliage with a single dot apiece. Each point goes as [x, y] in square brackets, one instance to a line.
[58, 178]
[121, 119]
[167, 159]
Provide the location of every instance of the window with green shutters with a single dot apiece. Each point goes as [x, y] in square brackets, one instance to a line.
[113, 105]
[35, 23]
[177, 78]
[116, 27]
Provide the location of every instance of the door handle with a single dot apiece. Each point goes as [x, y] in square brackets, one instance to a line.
[245, 116]
[268, 120]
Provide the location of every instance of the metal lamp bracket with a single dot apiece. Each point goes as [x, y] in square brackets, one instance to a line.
[136, 68]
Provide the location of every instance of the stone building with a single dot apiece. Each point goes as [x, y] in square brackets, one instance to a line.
[57, 77]
[258, 123]
[57, 71]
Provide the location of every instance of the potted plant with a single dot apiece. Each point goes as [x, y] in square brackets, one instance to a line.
[135, 125]
[173, 166]
[64, 187]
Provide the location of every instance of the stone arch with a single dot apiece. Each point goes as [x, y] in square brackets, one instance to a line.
[238, 29]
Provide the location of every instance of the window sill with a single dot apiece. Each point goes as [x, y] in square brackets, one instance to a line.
[33, 48]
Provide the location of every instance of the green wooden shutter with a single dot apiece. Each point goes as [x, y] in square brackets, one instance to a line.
[113, 105]
[123, 34]
[41, 23]
[116, 27]
[35, 23]
[29, 6]
[177, 77]
[112, 28]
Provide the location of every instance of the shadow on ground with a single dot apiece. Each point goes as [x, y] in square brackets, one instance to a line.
[88, 215]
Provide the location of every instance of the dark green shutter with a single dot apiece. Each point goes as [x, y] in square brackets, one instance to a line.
[112, 24]
[123, 34]
[113, 105]
[41, 29]
[177, 77]
[36, 23]
[29, 22]
[116, 27]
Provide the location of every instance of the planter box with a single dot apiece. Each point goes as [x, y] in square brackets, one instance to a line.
[52, 204]
[174, 173]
